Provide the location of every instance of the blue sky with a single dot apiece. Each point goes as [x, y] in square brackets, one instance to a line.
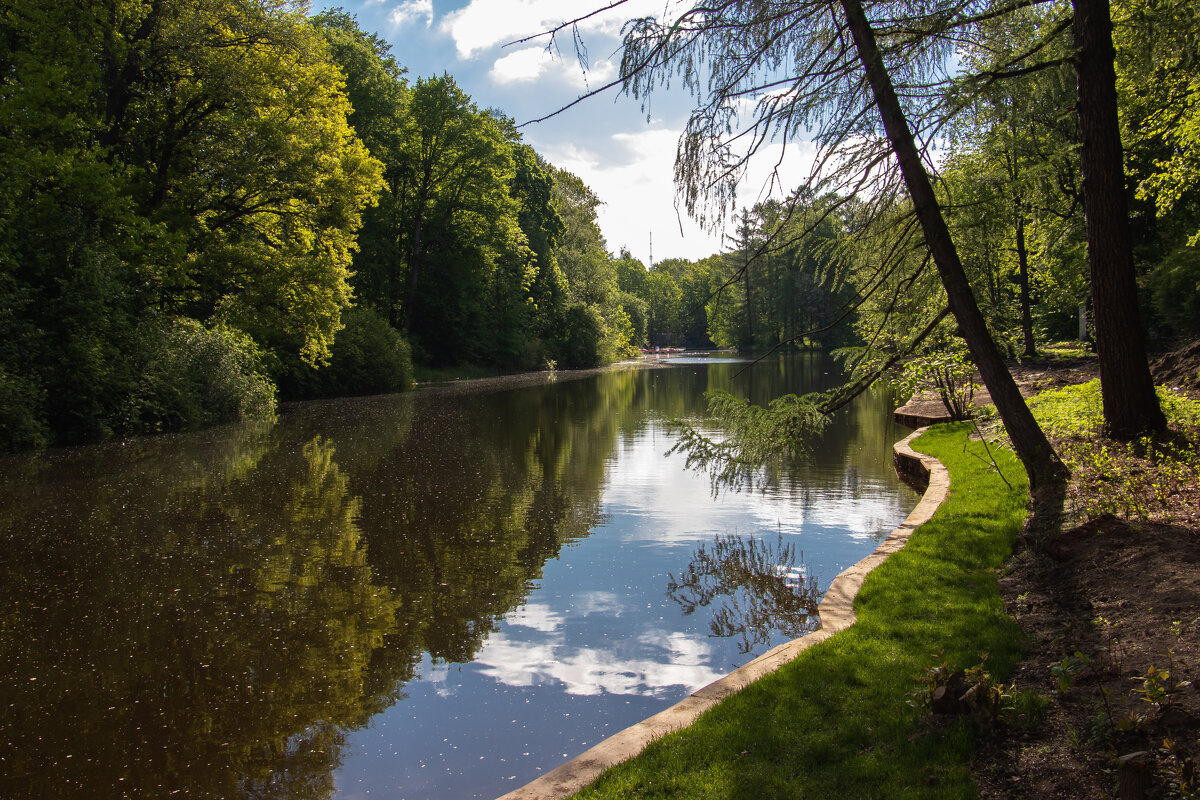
[626, 154]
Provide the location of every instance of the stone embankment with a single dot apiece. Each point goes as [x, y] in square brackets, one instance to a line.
[836, 614]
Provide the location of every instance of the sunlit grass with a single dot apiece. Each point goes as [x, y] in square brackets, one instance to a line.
[836, 722]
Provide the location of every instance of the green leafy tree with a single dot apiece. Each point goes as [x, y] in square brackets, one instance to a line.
[167, 158]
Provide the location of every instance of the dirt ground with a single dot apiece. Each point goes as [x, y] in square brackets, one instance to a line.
[1107, 694]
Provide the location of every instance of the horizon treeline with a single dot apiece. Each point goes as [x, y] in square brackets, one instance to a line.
[206, 206]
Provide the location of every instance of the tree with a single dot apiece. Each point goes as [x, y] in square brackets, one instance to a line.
[1157, 45]
[455, 163]
[1014, 168]
[1130, 404]
[828, 60]
[167, 160]
[378, 95]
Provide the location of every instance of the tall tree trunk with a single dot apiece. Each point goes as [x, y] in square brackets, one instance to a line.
[1029, 442]
[749, 304]
[1023, 282]
[1130, 404]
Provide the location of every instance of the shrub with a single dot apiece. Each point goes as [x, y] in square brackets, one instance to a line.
[1175, 291]
[368, 356]
[580, 344]
[193, 376]
[22, 425]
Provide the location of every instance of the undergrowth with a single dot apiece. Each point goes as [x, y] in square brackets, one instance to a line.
[1146, 479]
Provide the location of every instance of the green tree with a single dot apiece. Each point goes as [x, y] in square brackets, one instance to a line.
[170, 159]
[838, 75]
[1157, 44]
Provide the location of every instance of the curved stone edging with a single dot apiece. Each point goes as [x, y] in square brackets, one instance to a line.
[836, 612]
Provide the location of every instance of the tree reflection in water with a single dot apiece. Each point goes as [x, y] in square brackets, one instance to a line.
[761, 589]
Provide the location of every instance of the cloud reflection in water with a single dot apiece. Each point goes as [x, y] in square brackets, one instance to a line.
[666, 660]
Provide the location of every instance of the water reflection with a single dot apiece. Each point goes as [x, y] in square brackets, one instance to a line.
[760, 590]
[667, 659]
[246, 612]
[165, 639]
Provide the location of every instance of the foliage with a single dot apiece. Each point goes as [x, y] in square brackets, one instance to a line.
[944, 366]
[1158, 44]
[194, 376]
[750, 437]
[1147, 478]
[21, 424]
[1175, 291]
[583, 334]
[1012, 182]
[973, 691]
[369, 357]
[1076, 409]
[176, 159]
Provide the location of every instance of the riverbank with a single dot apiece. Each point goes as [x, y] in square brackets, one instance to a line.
[846, 718]
[1103, 699]
[836, 614]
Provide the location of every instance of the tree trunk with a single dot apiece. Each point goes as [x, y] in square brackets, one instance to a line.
[749, 305]
[1029, 442]
[1130, 404]
[1023, 283]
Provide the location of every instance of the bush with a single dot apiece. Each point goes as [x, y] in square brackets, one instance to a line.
[369, 356]
[22, 425]
[194, 376]
[1175, 289]
[583, 331]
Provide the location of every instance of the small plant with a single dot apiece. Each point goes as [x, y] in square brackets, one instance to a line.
[945, 690]
[1064, 671]
[1182, 778]
[944, 366]
[1156, 687]
[1027, 710]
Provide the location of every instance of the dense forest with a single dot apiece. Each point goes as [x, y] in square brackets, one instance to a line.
[206, 206]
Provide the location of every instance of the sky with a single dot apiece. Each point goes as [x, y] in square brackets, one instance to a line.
[625, 152]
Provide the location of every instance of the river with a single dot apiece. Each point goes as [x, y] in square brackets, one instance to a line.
[439, 594]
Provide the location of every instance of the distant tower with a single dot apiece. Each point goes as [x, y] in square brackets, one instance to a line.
[652, 248]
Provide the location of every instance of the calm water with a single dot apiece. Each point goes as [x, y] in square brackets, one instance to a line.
[432, 595]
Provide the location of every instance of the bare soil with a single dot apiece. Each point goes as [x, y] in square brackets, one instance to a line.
[1111, 611]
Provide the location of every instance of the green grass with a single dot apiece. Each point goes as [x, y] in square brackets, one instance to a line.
[1067, 349]
[836, 722]
[1079, 409]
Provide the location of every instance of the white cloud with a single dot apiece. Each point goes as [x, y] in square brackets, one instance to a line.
[536, 64]
[410, 11]
[521, 66]
[484, 24]
[634, 178]
[598, 603]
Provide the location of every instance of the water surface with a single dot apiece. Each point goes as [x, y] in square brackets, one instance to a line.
[430, 595]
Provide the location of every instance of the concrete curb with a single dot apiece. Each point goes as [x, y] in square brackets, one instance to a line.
[836, 612]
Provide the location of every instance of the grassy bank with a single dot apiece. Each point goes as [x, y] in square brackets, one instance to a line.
[837, 721]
